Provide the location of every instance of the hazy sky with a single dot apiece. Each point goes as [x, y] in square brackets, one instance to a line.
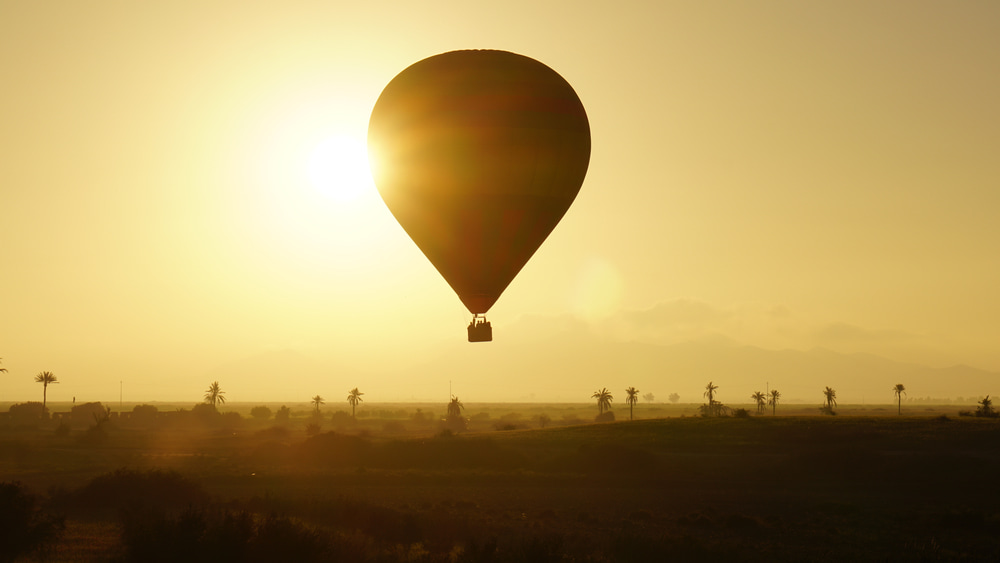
[783, 174]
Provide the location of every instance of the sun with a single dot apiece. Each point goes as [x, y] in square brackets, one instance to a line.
[337, 167]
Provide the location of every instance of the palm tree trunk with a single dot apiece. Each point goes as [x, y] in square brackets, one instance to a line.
[630, 406]
[45, 397]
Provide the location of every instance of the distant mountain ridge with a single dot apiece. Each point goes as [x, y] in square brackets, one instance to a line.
[541, 360]
[566, 366]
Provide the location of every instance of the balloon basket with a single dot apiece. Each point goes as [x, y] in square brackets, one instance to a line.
[480, 330]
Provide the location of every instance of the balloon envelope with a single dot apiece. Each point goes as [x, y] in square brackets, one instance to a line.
[478, 155]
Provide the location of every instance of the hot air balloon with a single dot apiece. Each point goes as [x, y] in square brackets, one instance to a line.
[478, 154]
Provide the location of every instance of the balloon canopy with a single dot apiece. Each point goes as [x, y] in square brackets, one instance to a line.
[478, 155]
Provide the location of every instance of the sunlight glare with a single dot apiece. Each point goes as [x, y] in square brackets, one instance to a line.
[338, 168]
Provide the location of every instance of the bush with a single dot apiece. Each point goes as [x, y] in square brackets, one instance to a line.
[341, 418]
[455, 423]
[741, 413]
[198, 535]
[283, 414]
[230, 420]
[154, 488]
[27, 413]
[606, 416]
[715, 410]
[204, 412]
[261, 412]
[144, 414]
[86, 413]
[23, 528]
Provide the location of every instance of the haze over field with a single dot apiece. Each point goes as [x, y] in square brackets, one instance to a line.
[774, 188]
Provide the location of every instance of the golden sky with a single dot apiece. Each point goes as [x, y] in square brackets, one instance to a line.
[780, 174]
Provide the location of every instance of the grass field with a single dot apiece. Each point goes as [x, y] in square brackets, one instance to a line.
[865, 484]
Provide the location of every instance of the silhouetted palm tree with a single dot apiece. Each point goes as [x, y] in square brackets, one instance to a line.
[214, 394]
[354, 397]
[604, 399]
[45, 377]
[831, 398]
[455, 406]
[899, 390]
[318, 401]
[631, 400]
[710, 393]
[761, 400]
[2, 370]
[772, 400]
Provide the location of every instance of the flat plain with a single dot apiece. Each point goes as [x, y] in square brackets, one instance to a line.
[398, 485]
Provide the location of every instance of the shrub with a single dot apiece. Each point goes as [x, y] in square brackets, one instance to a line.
[606, 416]
[23, 528]
[741, 413]
[283, 414]
[204, 411]
[230, 420]
[455, 423]
[144, 414]
[26, 413]
[157, 489]
[543, 420]
[261, 412]
[199, 535]
[85, 414]
[342, 418]
[715, 410]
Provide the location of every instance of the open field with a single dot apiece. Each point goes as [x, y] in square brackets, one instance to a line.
[862, 485]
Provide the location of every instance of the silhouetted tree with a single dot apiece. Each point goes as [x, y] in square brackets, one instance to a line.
[772, 400]
[761, 400]
[455, 406]
[674, 397]
[831, 399]
[710, 390]
[649, 397]
[986, 408]
[631, 399]
[261, 412]
[214, 395]
[45, 378]
[354, 397]
[283, 414]
[25, 528]
[318, 401]
[604, 399]
[899, 390]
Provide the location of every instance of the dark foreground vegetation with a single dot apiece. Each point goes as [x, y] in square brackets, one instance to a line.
[683, 489]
